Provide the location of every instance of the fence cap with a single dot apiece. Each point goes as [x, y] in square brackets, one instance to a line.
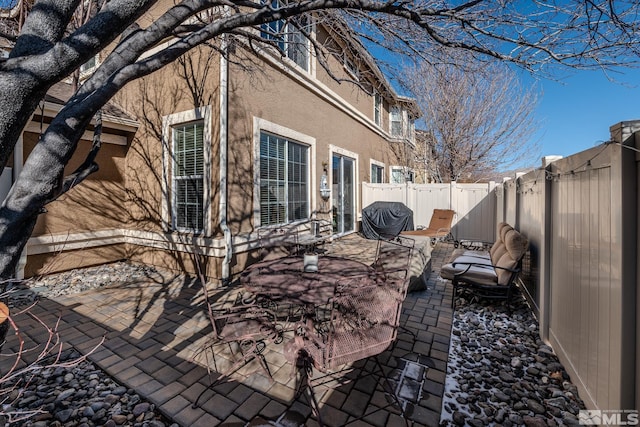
[547, 160]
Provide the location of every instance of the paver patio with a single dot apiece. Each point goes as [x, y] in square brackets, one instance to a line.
[154, 328]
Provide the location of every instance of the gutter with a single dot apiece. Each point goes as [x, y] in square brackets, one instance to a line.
[224, 148]
[18, 161]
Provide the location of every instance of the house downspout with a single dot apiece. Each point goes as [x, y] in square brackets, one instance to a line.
[224, 145]
[18, 159]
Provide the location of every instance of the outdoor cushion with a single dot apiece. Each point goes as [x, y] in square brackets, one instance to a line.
[496, 246]
[457, 253]
[484, 275]
[472, 259]
[420, 267]
[497, 254]
[505, 261]
[516, 244]
[494, 253]
[503, 229]
[505, 254]
[439, 225]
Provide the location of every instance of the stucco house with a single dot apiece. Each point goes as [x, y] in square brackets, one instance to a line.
[201, 155]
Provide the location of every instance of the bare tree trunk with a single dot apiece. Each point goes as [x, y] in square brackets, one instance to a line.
[41, 181]
[14, 234]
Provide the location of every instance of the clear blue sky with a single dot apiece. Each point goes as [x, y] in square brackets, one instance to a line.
[576, 108]
[576, 113]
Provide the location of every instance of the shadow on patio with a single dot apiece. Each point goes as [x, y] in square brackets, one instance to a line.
[154, 327]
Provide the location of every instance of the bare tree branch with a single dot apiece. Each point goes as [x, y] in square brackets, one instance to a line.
[536, 36]
[477, 121]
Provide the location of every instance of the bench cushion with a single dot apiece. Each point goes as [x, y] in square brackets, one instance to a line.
[505, 253]
[484, 275]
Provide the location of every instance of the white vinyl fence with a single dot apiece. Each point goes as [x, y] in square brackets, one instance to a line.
[474, 204]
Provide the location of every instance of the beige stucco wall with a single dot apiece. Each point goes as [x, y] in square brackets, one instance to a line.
[150, 100]
[97, 204]
[268, 94]
[53, 262]
[127, 194]
[275, 96]
[358, 95]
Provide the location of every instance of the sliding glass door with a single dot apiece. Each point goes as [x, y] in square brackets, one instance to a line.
[343, 194]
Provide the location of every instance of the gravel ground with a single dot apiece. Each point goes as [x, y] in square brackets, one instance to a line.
[70, 391]
[501, 373]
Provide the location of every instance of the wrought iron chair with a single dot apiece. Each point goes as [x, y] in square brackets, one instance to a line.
[278, 242]
[393, 261]
[364, 320]
[246, 329]
[490, 276]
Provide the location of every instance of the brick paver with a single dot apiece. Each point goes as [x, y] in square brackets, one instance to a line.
[153, 331]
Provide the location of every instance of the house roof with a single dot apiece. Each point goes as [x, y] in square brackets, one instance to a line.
[337, 25]
[61, 92]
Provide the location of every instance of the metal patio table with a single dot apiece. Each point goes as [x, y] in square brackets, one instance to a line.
[284, 278]
[302, 298]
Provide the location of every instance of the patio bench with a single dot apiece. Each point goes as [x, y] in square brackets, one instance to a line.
[488, 274]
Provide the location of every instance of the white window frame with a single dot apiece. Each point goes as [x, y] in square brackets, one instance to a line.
[86, 71]
[350, 66]
[402, 170]
[286, 31]
[168, 206]
[410, 129]
[396, 110]
[377, 164]
[333, 149]
[377, 108]
[261, 125]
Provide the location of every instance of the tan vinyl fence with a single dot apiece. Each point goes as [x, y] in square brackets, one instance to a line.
[580, 215]
[474, 204]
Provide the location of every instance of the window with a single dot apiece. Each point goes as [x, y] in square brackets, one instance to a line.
[400, 175]
[188, 177]
[411, 128]
[395, 121]
[377, 108]
[284, 180]
[88, 66]
[350, 66]
[289, 38]
[377, 174]
[186, 171]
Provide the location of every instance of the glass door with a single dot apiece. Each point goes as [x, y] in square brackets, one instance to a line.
[343, 194]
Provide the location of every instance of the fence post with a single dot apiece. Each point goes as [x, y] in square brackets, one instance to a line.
[545, 251]
[452, 203]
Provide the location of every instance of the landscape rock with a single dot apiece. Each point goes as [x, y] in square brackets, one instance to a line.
[517, 381]
[79, 395]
